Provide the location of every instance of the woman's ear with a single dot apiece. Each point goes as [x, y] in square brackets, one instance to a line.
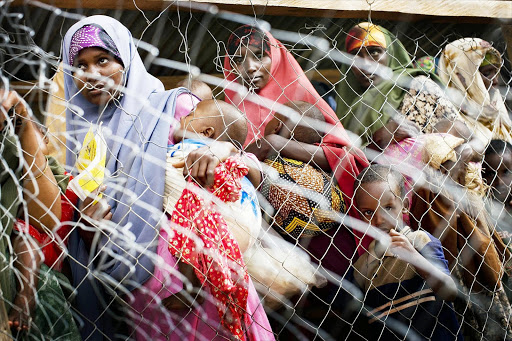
[405, 208]
[278, 127]
[208, 132]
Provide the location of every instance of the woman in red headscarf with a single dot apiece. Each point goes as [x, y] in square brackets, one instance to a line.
[262, 64]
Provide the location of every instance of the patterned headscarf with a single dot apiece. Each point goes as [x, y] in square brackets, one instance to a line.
[365, 34]
[91, 36]
[427, 63]
[248, 36]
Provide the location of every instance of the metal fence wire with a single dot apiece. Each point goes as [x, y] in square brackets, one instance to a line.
[195, 174]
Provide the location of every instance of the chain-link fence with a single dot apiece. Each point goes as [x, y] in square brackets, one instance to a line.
[192, 173]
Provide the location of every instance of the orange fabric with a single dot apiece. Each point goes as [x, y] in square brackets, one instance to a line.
[461, 236]
[365, 34]
[288, 82]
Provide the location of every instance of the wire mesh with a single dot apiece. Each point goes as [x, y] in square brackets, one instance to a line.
[241, 205]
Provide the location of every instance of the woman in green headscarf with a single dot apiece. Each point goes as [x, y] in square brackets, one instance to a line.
[387, 110]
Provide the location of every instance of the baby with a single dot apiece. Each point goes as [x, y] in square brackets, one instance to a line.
[303, 132]
[268, 263]
[407, 280]
[198, 88]
[305, 199]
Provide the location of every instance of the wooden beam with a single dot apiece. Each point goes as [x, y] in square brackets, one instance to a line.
[381, 9]
[481, 11]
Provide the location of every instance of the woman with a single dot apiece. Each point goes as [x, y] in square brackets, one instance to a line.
[261, 63]
[31, 186]
[470, 67]
[258, 61]
[370, 106]
[107, 83]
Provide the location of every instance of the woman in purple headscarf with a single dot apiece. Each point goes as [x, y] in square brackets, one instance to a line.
[107, 84]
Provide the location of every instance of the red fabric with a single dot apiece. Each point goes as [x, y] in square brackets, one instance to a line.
[212, 250]
[288, 82]
[50, 244]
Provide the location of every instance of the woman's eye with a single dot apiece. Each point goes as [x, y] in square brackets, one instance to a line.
[81, 67]
[238, 60]
[388, 208]
[103, 60]
[368, 213]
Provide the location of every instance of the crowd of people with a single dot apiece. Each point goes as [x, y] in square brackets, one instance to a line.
[256, 214]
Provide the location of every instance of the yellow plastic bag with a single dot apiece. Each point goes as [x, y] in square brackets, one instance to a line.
[90, 164]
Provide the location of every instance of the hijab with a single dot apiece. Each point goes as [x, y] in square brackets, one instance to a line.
[136, 129]
[459, 68]
[364, 111]
[288, 82]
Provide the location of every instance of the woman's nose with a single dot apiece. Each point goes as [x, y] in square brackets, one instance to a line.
[250, 65]
[495, 81]
[93, 73]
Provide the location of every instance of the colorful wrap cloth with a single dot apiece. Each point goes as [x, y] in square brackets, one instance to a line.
[212, 251]
[365, 34]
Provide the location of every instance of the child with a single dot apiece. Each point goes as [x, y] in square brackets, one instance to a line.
[193, 290]
[407, 280]
[498, 171]
[303, 132]
[198, 88]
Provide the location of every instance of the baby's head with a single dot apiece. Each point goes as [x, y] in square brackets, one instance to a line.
[497, 169]
[198, 88]
[303, 132]
[379, 196]
[213, 119]
[456, 128]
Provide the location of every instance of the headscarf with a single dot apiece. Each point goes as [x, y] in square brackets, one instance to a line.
[248, 36]
[364, 111]
[91, 36]
[139, 124]
[288, 82]
[427, 63]
[365, 35]
[459, 68]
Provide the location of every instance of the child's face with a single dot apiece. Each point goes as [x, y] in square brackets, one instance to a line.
[498, 174]
[379, 205]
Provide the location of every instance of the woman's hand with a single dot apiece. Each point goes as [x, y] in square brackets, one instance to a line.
[457, 170]
[394, 132]
[263, 147]
[92, 213]
[11, 99]
[200, 164]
